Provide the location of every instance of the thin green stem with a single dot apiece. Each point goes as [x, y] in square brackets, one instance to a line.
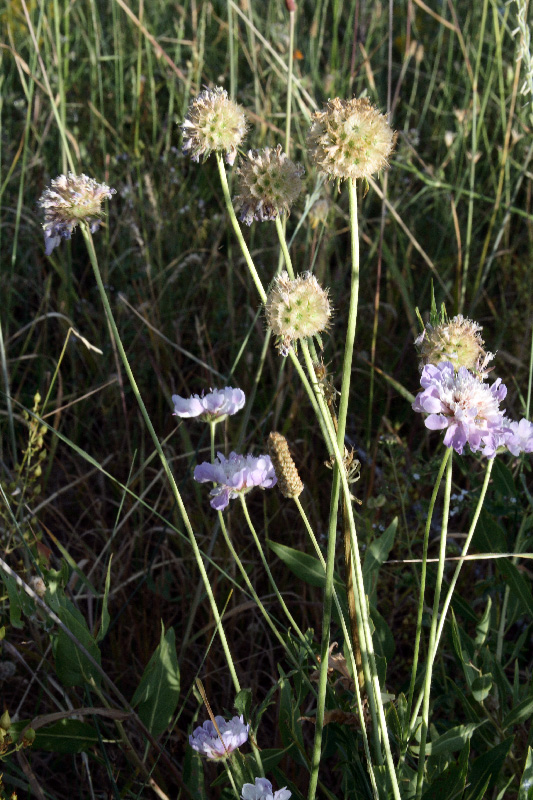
[423, 581]
[277, 592]
[292, 15]
[433, 629]
[237, 228]
[284, 247]
[348, 640]
[166, 467]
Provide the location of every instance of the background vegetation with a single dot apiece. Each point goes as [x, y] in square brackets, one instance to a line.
[453, 212]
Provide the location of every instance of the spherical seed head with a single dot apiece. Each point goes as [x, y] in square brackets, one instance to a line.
[289, 481]
[213, 123]
[457, 341]
[70, 199]
[296, 309]
[268, 184]
[350, 139]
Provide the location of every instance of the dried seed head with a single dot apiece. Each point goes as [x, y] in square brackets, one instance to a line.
[213, 123]
[289, 481]
[69, 200]
[458, 341]
[269, 183]
[350, 139]
[297, 309]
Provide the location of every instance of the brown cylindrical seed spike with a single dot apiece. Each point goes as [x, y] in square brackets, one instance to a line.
[289, 481]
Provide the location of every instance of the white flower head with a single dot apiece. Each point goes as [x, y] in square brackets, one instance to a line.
[263, 791]
[214, 406]
[216, 745]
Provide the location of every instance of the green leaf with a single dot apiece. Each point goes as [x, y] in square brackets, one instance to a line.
[503, 479]
[243, 703]
[520, 713]
[382, 638]
[105, 613]
[483, 625]
[526, 784]
[452, 740]
[485, 770]
[489, 537]
[307, 568]
[158, 692]
[15, 600]
[518, 585]
[72, 665]
[450, 783]
[376, 554]
[481, 687]
[65, 736]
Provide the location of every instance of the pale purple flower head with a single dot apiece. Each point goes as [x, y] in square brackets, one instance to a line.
[465, 406]
[518, 436]
[263, 791]
[235, 475]
[206, 741]
[212, 407]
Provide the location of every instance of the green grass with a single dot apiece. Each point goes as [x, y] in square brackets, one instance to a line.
[101, 88]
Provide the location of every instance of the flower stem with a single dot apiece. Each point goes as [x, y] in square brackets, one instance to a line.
[237, 228]
[433, 629]
[268, 572]
[453, 582]
[166, 467]
[423, 583]
[284, 247]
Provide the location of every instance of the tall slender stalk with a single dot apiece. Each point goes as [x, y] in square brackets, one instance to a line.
[174, 488]
[433, 630]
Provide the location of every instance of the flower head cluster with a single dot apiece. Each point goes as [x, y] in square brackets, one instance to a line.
[217, 744]
[263, 791]
[214, 406]
[465, 406]
[235, 476]
[69, 200]
[296, 309]
[213, 123]
[269, 183]
[350, 139]
[458, 341]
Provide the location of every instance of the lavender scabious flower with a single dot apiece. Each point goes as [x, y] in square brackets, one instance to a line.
[69, 200]
[518, 436]
[212, 407]
[263, 791]
[464, 405]
[235, 475]
[214, 744]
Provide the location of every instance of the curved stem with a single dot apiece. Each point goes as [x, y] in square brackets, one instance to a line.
[174, 488]
[433, 630]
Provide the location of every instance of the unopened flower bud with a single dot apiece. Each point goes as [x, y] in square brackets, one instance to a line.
[5, 721]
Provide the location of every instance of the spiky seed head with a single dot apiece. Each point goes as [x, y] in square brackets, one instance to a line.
[69, 200]
[268, 184]
[289, 481]
[296, 309]
[458, 341]
[213, 123]
[350, 139]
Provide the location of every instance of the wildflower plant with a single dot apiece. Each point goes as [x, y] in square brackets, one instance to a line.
[391, 745]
